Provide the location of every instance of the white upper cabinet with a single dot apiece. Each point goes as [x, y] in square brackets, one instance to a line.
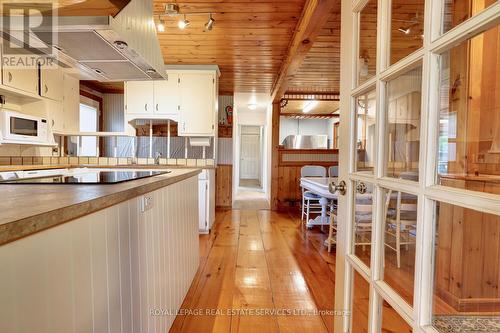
[71, 104]
[166, 95]
[25, 79]
[51, 82]
[197, 97]
[139, 97]
[188, 97]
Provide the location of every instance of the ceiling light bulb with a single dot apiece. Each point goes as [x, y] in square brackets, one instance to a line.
[210, 24]
[161, 26]
[183, 23]
[309, 106]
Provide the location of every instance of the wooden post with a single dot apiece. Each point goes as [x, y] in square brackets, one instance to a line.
[275, 154]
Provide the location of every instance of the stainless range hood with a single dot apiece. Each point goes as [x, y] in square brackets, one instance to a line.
[120, 48]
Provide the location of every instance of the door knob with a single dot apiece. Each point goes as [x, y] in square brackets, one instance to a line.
[361, 188]
[341, 187]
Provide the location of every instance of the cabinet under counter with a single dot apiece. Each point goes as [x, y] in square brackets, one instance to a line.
[99, 257]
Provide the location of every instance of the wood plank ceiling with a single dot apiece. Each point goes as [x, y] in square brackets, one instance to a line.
[249, 41]
[320, 70]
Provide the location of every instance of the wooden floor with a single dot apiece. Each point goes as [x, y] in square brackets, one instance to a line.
[258, 260]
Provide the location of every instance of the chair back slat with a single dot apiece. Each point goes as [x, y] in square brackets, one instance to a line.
[313, 171]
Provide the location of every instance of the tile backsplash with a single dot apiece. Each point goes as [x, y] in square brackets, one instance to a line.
[104, 161]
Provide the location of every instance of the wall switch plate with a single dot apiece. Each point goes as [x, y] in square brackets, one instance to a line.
[147, 203]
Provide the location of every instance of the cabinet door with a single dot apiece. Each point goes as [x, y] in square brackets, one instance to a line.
[166, 95]
[139, 97]
[202, 205]
[51, 79]
[197, 104]
[56, 115]
[25, 79]
[71, 104]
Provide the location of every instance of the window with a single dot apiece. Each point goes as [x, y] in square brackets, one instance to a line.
[87, 145]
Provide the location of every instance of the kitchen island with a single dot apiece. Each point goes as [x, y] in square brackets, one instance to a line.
[97, 258]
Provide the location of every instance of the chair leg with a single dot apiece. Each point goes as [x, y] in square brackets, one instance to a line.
[307, 211]
[398, 244]
[303, 209]
[330, 233]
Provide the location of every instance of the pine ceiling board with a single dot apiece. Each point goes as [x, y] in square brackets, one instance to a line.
[249, 40]
[323, 107]
[320, 70]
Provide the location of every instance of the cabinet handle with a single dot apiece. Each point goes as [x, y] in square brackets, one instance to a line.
[183, 126]
[10, 77]
[156, 106]
[146, 106]
[46, 88]
[53, 122]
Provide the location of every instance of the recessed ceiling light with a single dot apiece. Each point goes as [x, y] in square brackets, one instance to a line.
[309, 106]
[252, 106]
[183, 23]
[210, 24]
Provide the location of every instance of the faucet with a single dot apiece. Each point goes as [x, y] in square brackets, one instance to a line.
[157, 158]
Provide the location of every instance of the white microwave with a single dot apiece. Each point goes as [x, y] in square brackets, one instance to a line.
[18, 127]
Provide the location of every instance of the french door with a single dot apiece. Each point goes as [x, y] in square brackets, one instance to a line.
[419, 226]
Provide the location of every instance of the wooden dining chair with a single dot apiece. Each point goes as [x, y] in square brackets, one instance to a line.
[362, 222]
[310, 200]
[401, 222]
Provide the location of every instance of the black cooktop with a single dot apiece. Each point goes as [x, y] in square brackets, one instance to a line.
[93, 177]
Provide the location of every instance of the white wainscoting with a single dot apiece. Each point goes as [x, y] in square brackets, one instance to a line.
[106, 271]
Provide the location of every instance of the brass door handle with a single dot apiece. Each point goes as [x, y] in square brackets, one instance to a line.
[341, 187]
[361, 188]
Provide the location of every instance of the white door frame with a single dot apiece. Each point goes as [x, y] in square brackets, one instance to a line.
[420, 315]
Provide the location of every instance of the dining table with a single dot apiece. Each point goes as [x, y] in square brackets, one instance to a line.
[319, 186]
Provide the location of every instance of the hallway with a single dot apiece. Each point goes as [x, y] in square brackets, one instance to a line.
[257, 261]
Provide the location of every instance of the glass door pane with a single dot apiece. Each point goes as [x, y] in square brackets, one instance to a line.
[407, 28]
[392, 321]
[365, 132]
[467, 269]
[469, 114]
[360, 304]
[403, 124]
[400, 233]
[363, 221]
[367, 57]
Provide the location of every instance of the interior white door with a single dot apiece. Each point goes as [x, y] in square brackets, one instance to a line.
[250, 156]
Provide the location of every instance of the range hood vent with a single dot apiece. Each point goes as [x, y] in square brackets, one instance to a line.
[124, 47]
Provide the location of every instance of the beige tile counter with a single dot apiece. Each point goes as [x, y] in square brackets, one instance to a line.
[27, 209]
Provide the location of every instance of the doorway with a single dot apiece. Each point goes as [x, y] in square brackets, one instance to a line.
[416, 200]
[251, 157]
[250, 193]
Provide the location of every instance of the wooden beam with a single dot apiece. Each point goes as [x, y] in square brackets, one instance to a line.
[314, 16]
[275, 141]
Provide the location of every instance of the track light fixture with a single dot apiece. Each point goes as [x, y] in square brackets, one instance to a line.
[183, 23]
[172, 10]
[160, 27]
[210, 24]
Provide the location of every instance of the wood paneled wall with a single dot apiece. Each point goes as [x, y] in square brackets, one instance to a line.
[224, 186]
[467, 265]
[289, 193]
